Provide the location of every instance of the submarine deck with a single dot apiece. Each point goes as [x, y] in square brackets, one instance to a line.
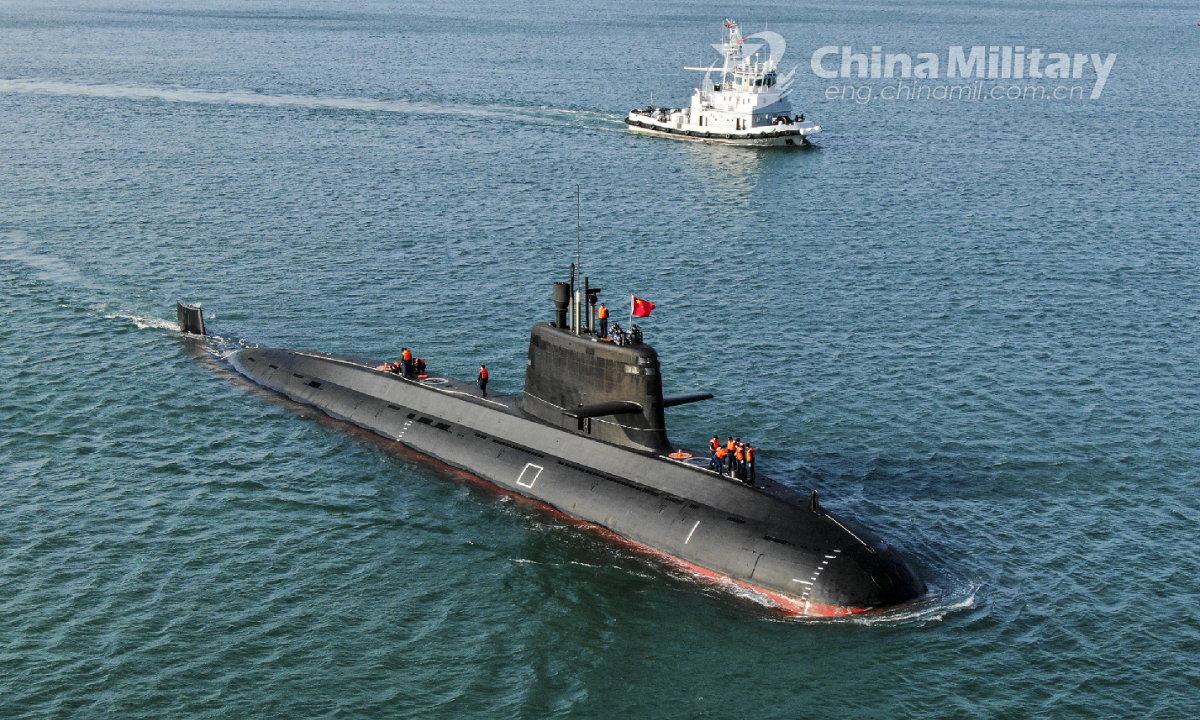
[511, 405]
[765, 537]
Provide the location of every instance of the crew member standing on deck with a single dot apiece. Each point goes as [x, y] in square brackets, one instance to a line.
[406, 361]
[483, 377]
[729, 448]
[750, 465]
[602, 314]
[717, 464]
[739, 453]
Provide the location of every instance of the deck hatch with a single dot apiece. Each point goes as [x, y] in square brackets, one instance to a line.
[529, 475]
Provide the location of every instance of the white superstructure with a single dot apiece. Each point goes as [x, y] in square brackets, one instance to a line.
[746, 105]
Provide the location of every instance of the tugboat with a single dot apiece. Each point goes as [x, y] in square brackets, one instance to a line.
[748, 105]
[588, 439]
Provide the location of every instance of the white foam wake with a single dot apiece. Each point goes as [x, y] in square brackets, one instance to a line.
[14, 246]
[235, 97]
[143, 323]
[936, 605]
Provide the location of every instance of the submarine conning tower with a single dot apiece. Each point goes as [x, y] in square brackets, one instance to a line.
[589, 385]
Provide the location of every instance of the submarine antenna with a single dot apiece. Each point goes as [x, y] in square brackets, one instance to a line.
[578, 258]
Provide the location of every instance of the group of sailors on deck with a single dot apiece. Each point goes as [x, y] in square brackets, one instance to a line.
[617, 335]
[408, 366]
[734, 458]
[414, 369]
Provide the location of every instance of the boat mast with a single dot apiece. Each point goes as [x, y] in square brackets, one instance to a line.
[578, 259]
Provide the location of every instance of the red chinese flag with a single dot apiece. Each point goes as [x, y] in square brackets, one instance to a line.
[642, 308]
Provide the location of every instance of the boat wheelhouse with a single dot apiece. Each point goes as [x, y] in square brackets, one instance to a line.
[747, 104]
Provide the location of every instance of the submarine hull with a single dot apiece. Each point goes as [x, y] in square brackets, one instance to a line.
[769, 539]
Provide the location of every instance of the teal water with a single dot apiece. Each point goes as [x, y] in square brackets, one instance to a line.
[971, 326]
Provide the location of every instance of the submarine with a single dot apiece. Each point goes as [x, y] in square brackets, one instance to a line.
[588, 439]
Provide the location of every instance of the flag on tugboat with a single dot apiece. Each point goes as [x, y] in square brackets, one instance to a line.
[642, 308]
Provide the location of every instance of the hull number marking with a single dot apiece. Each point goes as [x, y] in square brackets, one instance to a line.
[529, 475]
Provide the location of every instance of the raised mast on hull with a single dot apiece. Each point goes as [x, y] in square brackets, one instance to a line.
[581, 382]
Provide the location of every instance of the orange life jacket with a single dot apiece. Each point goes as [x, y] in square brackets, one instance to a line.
[483, 373]
[749, 453]
[740, 452]
[722, 453]
[714, 444]
[407, 355]
[603, 314]
[729, 446]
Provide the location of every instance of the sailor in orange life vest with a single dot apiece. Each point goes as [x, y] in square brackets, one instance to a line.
[749, 479]
[406, 360]
[602, 314]
[718, 462]
[483, 376]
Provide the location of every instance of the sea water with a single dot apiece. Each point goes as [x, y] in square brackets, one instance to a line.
[969, 324]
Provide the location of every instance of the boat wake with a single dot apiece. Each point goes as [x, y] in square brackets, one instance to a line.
[144, 323]
[87, 297]
[16, 247]
[542, 115]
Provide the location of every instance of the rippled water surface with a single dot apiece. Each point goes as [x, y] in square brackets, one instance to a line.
[971, 326]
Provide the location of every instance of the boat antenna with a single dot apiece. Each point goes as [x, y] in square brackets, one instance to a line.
[578, 230]
[578, 253]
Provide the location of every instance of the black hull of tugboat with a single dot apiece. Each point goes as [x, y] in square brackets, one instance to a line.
[775, 137]
[767, 538]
